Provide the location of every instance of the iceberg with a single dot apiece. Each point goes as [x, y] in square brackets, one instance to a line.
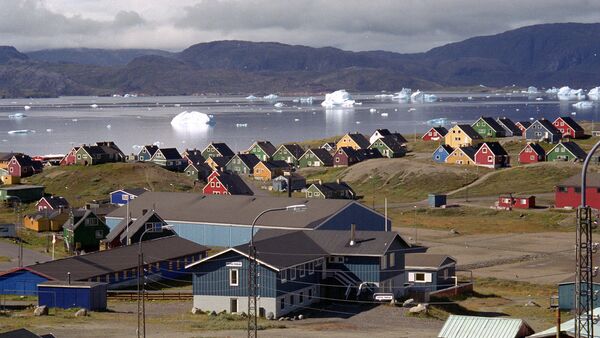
[565, 94]
[94, 105]
[403, 95]
[306, 100]
[552, 91]
[419, 96]
[372, 110]
[583, 105]
[530, 90]
[26, 107]
[17, 116]
[251, 97]
[384, 97]
[594, 94]
[21, 131]
[384, 114]
[439, 122]
[278, 105]
[430, 98]
[271, 97]
[338, 99]
[190, 120]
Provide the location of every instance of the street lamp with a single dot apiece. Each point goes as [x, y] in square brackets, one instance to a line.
[139, 274]
[252, 289]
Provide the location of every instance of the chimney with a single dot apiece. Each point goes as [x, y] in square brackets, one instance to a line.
[352, 234]
[69, 278]
[338, 181]
[320, 182]
[144, 211]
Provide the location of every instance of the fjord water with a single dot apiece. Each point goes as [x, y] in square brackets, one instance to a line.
[59, 123]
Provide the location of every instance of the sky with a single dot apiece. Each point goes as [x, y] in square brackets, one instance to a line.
[393, 25]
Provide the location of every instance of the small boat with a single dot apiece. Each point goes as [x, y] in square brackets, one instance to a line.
[20, 131]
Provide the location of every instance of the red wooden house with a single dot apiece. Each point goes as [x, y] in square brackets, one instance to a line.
[52, 203]
[435, 134]
[225, 183]
[516, 202]
[568, 127]
[532, 153]
[567, 194]
[22, 165]
[70, 158]
[491, 155]
[345, 156]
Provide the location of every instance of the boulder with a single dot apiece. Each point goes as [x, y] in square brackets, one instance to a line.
[408, 302]
[213, 314]
[270, 315]
[81, 313]
[532, 303]
[418, 309]
[41, 311]
[281, 319]
[196, 311]
[300, 317]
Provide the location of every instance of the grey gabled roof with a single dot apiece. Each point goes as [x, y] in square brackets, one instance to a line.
[322, 154]
[234, 209]
[82, 215]
[392, 143]
[275, 164]
[266, 146]
[509, 124]
[427, 260]
[547, 125]
[235, 184]
[135, 191]
[492, 124]
[250, 160]
[333, 186]
[170, 153]
[222, 148]
[368, 243]
[592, 181]
[536, 147]
[134, 226]
[98, 263]
[467, 129]
[480, 327]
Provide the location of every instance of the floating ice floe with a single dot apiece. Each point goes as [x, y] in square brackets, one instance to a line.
[419, 96]
[251, 97]
[384, 97]
[530, 90]
[338, 99]
[26, 107]
[565, 94]
[552, 91]
[74, 120]
[410, 110]
[21, 131]
[384, 114]
[306, 100]
[94, 105]
[17, 116]
[49, 130]
[442, 121]
[372, 110]
[469, 98]
[594, 94]
[278, 105]
[108, 126]
[403, 95]
[241, 125]
[271, 97]
[191, 120]
[296, 120]
[177, 105]
[539, 99]
[583, 105]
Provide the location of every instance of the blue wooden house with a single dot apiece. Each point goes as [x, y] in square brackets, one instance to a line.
[69, 295]
[543, 130]
[146, 153]
[429, 272]
[123, 196]
[441, 153]
[299, 268]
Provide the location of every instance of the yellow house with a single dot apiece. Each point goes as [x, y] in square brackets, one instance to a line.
[461, 135]
[355, 141]
[268, 170]
[462, 156]
[46, 221]
[217, 163]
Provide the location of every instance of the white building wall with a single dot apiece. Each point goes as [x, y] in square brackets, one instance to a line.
[222, 303]
[297, 306]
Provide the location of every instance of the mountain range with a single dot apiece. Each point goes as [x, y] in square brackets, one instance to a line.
[540, 55]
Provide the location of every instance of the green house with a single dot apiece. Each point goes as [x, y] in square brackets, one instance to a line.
[289, 153]
[488, 127]
[262, 149]
[83, 231]
[566, 151]
[332, 190]
[217, 150]
[389, 147]
[242, 164]
[318, 157]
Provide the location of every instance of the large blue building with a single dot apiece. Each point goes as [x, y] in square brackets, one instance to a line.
[225, 220]
[299, 268]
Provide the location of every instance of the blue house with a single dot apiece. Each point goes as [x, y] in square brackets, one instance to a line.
[299, 268]
[164, 257]
[146, 153]
[225, 220]
[566, 293]
[68, 295]
[441, 153]
[429, 272]
[543, 130]
[123, 196]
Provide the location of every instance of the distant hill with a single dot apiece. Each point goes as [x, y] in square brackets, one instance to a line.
[541, 55]
[92, 56]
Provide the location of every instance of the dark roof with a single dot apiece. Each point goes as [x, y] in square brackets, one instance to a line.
[267, 147]
[568, 120]
[440, 130]
[201, 166]
[592, 181]
[295, 149]
[23, 333]
[470, 151]
[496, 148]
[93, 150]
[17, 187]
[365, 154]
[7, 156]
[383, 132]
[135, 191]
[548, 125]
[44, 215]
[79, 216]
[467, 129]
[446, 147]
[333, 186]
[509, 124]
[234, 209]
[392, 143]
[26, 161]
[194, 156]
[223, 149]
[109, 147]
[525, 124]
[235, 184]
[493, 124]
[121, 258]
[56, 201]
[427, 260]
[170, 153]
[250, 160]
[151, 148]
[134, 226]
[221, 161]
[322, 154]
[575, 149]
[536, 147]
[360, 139]
[275, 164]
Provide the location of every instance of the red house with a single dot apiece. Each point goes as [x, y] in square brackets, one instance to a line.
[491, 155]
[567, 194]
[70, 158]
[516, 202]
[523, 125]
[435, 134]
[22, 165]
[225, 183]
[568, 127]
[345, 156]
[532, 153]
[52, 203]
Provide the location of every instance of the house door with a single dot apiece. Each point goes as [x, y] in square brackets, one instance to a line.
[233, 305]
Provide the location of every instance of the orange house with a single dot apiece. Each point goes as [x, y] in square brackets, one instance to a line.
[45, 220]
[462, 156]
[268, 170]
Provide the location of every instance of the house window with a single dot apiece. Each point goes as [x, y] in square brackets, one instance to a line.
[523, 201]
[419, 277]
[91, 221]
[301, 298]
[99, 234]
[392, 259]
[301, 268]
[283, 276]
[282, 303]
[218, 184]
[337, 159]
[311, 268]
[383, 262]
[490, 158]
[293, 273]
[484, 150]
[212, 184]
[532, 158]
[309, 194]
[310, 294]
[233, 277]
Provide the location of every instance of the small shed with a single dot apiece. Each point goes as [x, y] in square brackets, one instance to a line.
[26, 193]
[436, 200]
[516, 202]
[280, 183]
[67, 295]
[478, 327]
[8, 230]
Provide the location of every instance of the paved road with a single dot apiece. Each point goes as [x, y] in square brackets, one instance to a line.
[11, 250]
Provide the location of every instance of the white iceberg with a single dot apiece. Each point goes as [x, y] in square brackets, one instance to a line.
[552, 90]
[530, 90]
[278, 105]
[26, 107]
[189, 120]
[251, 97]
[49, 130]
[306, 100]
[108, 126]
[430, 98]
[594, 94]
[583, 105]
[271, 97]
[539, 99]
[338, 99]
[372, 110]
[384, 114]
[94, 105]
[17, 116]
[565, 94]
[384, 97]
[403, 95]
[420, 96]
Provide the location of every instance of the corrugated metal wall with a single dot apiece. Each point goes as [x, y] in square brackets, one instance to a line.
[21, 282]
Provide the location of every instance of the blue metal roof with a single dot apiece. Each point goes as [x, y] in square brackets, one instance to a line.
[479, 327]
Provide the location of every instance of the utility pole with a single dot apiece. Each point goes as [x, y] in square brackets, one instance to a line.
[416, 234]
